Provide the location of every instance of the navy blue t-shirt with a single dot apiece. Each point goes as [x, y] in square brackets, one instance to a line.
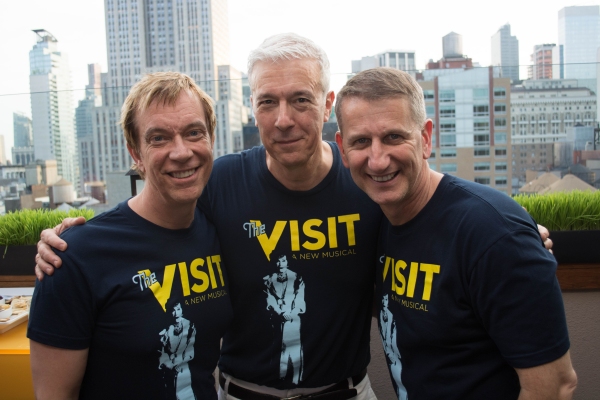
[150, 303]
[466, 293]
[301, 272]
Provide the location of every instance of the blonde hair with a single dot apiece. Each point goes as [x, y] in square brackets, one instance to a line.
[160, 88]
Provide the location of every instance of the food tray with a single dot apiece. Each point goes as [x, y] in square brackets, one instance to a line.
[14, 321]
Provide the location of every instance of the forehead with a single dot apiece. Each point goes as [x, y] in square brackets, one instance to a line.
[186, 108]
[360, 115]
[283, 76]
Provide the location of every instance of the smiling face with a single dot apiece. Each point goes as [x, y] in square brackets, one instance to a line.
[386, 151]
[290, 109]
[175, 151]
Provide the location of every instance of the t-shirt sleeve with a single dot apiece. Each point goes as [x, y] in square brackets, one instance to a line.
[518, 299]
[62, 310]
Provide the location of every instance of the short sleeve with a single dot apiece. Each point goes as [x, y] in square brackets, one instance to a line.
[62, 310]
[518, 299]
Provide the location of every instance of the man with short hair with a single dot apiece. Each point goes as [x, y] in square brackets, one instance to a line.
[479, 311]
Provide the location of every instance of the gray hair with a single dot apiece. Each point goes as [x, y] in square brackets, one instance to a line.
[289, 46]
[380, 84]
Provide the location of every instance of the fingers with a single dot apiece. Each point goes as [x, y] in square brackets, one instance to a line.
[42, 268]
[544, 233]
[46, 258]
[548, 244]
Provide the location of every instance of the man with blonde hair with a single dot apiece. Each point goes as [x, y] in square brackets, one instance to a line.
[97, 326]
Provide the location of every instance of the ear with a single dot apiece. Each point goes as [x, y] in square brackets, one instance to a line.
[426, 134]
[329, 97]
[340, 142]
[136, 158]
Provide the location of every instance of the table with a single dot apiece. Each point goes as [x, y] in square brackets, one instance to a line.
[15, 369]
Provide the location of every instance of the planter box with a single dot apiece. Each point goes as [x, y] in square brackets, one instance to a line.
[18, 260]
[576, 247]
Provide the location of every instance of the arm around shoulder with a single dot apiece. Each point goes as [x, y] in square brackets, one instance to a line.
[57, 373]
[554, 380]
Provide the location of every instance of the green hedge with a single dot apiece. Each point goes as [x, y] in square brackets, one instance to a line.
[565, 211]
[24, 227]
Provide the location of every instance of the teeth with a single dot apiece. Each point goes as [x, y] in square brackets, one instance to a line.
[384, 178]
[183, 174]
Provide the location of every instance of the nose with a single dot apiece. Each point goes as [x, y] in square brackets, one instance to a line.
[180, 150]
[284, 117]
[378, 157]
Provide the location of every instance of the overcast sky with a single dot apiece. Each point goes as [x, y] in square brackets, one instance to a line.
[347, 30]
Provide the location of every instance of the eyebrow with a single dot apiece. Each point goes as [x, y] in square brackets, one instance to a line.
[196, 124]
[297, 93]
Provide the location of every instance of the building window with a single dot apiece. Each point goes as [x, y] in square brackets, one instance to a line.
[500, 108]
[481, 151]
[428, 94]
[500, 152]
[448, 153]
[448, 167]
[481, 126]
[500, 137]
[481, 93]
[482, 179]
[500, 166]
[448, 127]
[500, 123]
[446, 95]
[499, 92]
[430, 111]
[500, 180]
[481, 110]
[447, 140]
[481, 166]
[447, 112]
[481, 140]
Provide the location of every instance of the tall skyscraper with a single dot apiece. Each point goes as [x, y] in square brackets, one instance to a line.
[505, 52]
[188, 36]
[22, 152]
[541, 61]
[52, 106]
[579, 34]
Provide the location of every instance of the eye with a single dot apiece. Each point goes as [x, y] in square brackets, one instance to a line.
[157, 139]
[362, 141]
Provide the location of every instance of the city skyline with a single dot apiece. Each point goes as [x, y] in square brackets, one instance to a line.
[347, 33]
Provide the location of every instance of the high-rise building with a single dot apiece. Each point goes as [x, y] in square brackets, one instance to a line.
[188, 36]
[23, 131]
[579, 34]
[541, 61]
[505, 52]
[543, 111]
[2, 154]
[398, 59]
[471, 136]
[22, 152]
[52, 106]
[231, 112]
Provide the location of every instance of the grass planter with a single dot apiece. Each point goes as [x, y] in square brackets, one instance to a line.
[19, 234]
[573, 219]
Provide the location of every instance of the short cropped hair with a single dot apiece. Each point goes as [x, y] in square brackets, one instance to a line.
[160, 88]
[381, 84]
[289, 46]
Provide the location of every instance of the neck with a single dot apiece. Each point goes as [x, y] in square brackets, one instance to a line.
[180, 216]
[400, 214]
[304, 176]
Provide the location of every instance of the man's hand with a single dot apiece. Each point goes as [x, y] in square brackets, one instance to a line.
[545, 234]
[46, 260]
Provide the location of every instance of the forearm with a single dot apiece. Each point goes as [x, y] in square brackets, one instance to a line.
[555, 380]
[57, 373]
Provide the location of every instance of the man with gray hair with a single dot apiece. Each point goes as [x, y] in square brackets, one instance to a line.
[479, 311]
